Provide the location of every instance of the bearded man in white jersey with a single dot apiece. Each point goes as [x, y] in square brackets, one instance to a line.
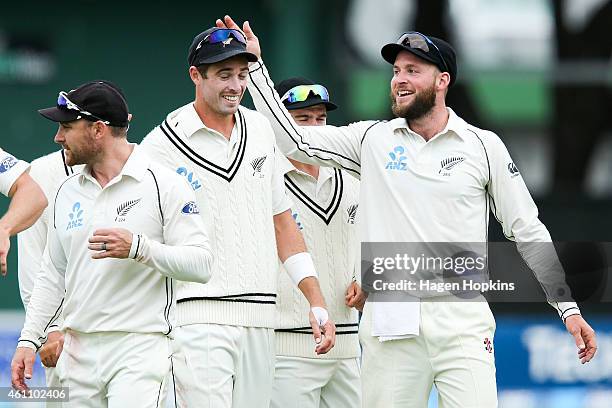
[120, 233]
[325, 203]
[48, 171]
[426, 177]
[225, 339]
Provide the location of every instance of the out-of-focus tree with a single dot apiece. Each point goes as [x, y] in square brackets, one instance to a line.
[432, 18]
[581, 108]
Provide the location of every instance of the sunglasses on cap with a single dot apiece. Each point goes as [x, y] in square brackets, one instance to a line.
[222, 35]
[300, 93]
[64, 103]
[416, 40]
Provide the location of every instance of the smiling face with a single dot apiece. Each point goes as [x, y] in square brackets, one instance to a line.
[414, 86]
[223, 86]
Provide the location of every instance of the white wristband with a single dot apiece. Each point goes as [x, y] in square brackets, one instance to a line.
[300, 266]
[320, 315]
[135, 246]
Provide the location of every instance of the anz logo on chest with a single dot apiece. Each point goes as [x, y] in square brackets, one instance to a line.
[398, 160]
[75, 217]
[191, 178]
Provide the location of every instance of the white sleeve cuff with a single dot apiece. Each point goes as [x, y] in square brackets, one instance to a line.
[135, 248]
[300, 266]
[567, 309]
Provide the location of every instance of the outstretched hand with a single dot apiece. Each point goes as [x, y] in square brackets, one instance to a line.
[252, 40]
[584, 336]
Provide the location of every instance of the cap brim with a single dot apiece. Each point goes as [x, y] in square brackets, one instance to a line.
[59, 115]
[226, 55]
[389, 53]
[329, 106]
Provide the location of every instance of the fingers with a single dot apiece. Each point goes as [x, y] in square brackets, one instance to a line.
[220, 24]
[576, 333]
[588, 353]
[29, 364]
[3, 263]
[329, 338]
[97, 238]
[230, 23]
[316, 330]
[246, 27]
[60, 347]
[106, 231]
[17, 379]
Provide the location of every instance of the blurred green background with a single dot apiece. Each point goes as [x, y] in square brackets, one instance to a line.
[527, 70]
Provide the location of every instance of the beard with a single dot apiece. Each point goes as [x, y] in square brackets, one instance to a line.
[423, 103]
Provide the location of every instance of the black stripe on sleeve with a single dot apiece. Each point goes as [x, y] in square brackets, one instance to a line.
[161, 213]
[297, 144]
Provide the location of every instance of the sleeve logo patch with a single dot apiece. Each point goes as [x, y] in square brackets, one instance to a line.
[513, 170]
[190, 208]
[7, 163]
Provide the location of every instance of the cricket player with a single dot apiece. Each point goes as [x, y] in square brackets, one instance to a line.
[426, 176]
[325, 208]
[225, 335]
[27, 201]
[48, 171]
[120, 233]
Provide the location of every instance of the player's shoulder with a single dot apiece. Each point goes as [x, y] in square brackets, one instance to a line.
[49, 161]
[165, 178]
[473, 133]
[50, 170]
[171, 120]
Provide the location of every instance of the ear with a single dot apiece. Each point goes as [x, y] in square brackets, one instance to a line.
[443, 80]
[99, 128]
[194, 74]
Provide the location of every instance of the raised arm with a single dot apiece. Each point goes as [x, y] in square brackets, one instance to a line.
[322, 145]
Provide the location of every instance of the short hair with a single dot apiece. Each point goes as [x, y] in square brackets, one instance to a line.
[119, 131]
[203, 70]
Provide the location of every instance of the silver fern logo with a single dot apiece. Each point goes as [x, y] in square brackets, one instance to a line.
[352, 213]
[124, 209]
[257, 165]
[448, 164]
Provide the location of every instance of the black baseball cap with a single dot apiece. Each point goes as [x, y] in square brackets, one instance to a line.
[432, 49]
[205, 50]
[312, 99]
[95, 100]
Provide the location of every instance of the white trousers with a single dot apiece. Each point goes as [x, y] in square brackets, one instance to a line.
[219, 366]
[316, 383]
[453, 351]
[53, 381]
[114, 369]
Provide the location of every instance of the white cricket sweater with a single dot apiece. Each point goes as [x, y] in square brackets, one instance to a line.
[239, 188]
[325, 211]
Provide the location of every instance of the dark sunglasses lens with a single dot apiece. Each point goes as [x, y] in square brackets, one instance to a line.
[223, 34]
[61, 100]
[414, 40]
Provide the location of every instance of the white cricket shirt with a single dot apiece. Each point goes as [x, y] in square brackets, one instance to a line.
[10, 170]
[127, 295]
[412, 190]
